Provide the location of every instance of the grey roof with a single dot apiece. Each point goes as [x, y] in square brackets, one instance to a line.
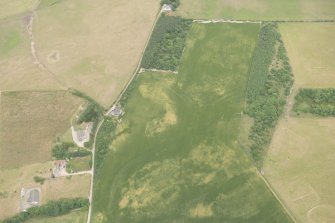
[34, 196]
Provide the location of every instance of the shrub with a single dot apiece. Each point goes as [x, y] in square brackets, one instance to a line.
[39, 179]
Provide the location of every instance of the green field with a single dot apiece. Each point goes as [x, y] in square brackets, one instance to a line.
[175, 156]
[258, 9]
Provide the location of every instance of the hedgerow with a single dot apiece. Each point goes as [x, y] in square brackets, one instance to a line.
[320, 102]
[103, 141]
[166, 44]
[50, 209]
[270, 81]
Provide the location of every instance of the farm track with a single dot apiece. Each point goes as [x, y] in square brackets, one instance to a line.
[271, 188]
[33, 50]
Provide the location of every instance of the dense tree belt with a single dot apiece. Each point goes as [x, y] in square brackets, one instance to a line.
[166, 44]
[319, 102]
[270, 81]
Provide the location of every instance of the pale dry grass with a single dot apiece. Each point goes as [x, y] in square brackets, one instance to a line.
[311, 50]
[300, 167]
[10, 8]
[98, 45]
[30, 122]
[17, 68]
[92, 47]
[66, 187]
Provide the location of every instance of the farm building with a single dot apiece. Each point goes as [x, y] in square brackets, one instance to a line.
[166, 8]
[29, 198]
[59, 168]
[116, 111]
[81, 136]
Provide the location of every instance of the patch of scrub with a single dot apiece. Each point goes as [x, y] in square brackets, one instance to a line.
[155, 182]
[201, 210]
[159, 125]
[158, 94]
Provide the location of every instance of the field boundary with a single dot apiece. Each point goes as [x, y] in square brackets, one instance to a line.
[206, 21]
[89, 215]
[138, 64]
[271, 188]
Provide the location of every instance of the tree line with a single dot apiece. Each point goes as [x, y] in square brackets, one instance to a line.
[50, 209]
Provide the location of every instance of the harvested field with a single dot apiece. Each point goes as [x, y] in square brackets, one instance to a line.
[181, 161]
[311, 49]
[30, 122]
[258, 9]
[301, 168]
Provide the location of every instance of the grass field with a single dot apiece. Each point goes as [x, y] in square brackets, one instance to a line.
[300, 166]
[311, 50]
[258, 9]
[73, 217]
[30, 122]
[80, 163]
[176, 156]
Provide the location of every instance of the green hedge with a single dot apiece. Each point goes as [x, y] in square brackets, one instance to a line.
[270, 81]
[320, 102]
[51, 209]
[103, 141]
[166, 44]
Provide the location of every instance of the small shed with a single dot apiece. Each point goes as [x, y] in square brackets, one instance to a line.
[34, 197]
[166, 8]
[116, 111]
